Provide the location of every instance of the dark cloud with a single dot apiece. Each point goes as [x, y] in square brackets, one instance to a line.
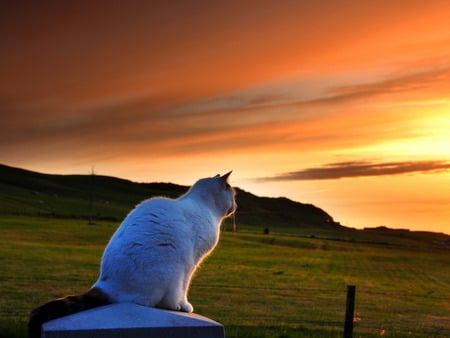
[408, 82]
[360, 169]
[254, 100]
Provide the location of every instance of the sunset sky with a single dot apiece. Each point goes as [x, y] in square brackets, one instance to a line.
[343, 104]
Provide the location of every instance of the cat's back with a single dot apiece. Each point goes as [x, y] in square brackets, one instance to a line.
[155, 218]
[155, 207]
[145, 227]
[167, 210]
[152, 215]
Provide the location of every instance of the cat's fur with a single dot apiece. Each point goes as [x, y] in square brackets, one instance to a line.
[151, 258]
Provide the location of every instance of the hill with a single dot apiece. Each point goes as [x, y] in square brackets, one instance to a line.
[101, 197]
[97, 197]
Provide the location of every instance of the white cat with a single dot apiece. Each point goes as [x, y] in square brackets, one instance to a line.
[151, 258]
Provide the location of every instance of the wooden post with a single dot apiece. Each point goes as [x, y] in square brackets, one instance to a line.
[91, 198]
[349, 311]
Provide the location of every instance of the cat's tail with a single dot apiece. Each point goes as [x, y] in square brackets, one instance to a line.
[64, 306]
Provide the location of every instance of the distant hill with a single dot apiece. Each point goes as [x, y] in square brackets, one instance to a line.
[97, 197]
[25, 192]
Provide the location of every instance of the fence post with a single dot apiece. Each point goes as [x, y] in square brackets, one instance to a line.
[349, 311]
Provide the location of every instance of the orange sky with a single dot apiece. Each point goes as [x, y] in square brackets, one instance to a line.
[342, 104]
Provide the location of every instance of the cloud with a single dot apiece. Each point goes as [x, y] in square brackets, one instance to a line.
[408, 82]
[360, 169]
[273, 99]
[160, 123]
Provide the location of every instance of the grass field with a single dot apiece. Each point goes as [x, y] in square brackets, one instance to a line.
[256, 285]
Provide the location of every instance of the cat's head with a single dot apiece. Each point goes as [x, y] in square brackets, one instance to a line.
[229, 194]
[217, 193]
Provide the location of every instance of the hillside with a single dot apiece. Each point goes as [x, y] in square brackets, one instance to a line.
[101, 197]
[97, 197]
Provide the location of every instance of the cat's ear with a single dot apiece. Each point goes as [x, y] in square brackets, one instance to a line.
[225, 177]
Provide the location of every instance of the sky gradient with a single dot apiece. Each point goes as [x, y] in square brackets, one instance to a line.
[341, 104]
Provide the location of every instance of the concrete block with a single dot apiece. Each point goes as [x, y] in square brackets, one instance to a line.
[132, 321]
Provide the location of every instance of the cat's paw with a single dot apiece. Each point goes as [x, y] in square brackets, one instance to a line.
[186, 307]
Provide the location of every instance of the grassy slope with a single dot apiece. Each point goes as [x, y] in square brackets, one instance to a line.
[28, 193]
[256, 285]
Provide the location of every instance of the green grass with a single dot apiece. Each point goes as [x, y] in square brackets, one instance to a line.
[256, 285]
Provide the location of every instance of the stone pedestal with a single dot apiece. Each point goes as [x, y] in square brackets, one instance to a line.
[132, 321]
